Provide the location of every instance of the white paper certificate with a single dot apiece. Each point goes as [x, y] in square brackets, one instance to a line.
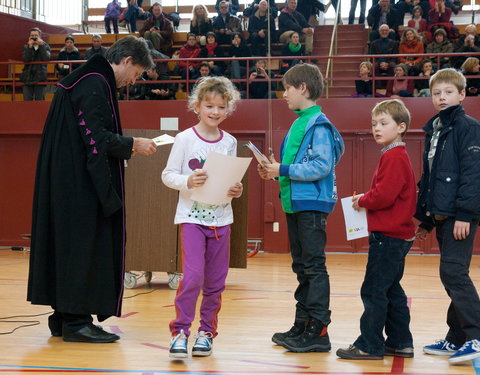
[355, 221]
[223, 172]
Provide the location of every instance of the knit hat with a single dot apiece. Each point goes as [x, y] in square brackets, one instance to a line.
[440, 31]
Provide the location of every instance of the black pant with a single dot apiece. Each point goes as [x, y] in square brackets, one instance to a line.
[383, 298]
[463, 316]
[107, 25]
[306, 231]
[353, 7]
[72, 322]
[33, 92]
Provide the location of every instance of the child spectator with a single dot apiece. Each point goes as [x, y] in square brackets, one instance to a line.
[422, 85]
[189, 51]
[157, 91]
[200, 24]
[36, 49]
[419, 24]
[258, 86]
[390, 205]
[471, 67]
[401, 86]
[448, 200]
[258, 28]
[70, 53]
[292, 48]
[212, 49]
[112, 13]
[440, 45]
[410, 43]
[364, 85]
[238, 68]
[158, 28]
[309, 153]
[205, 238]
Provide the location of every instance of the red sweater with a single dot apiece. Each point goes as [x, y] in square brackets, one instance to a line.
[391, 200]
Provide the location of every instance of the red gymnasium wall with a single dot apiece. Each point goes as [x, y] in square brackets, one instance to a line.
[21, 124]
[15, 32]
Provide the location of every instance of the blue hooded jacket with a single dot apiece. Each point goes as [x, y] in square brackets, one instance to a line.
[312, 175]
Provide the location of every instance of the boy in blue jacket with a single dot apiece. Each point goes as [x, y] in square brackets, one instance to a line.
[449, 201]
[309, 153]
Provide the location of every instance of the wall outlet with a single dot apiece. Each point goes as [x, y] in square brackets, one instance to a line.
[276, 226]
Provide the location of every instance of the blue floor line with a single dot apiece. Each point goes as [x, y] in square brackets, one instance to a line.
[476, 365]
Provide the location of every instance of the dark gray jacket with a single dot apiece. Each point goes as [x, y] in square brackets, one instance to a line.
[33, 73]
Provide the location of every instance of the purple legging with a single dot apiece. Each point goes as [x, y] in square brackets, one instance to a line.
[205, 254]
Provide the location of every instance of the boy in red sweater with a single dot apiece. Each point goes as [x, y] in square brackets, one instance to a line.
[390, 205]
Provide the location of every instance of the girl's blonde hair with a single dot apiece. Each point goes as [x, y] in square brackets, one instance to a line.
[404, 35]
[194, 14]
[368, 64]
[214, 85]
[469, 64]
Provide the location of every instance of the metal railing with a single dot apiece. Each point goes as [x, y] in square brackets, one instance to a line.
[10, 84]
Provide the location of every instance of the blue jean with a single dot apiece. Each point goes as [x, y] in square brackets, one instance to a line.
[383, 298]
[463, 316]
[306, 232]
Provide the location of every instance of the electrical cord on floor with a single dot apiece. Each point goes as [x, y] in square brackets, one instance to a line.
[138, 294]
[31, 323]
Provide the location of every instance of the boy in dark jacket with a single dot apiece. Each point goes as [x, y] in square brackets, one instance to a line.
[308, 191]
[449, 201]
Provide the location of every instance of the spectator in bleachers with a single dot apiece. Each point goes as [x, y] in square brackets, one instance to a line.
[290, 20]
[204, 69]
[157, 91]
[383, 69]
[190, 50]
[383, 14]
[213, 49]
[112, 13]
[440, 44]
[158, 28]
[292, 48]
[310, 9]
[363, 85]
[135, 91]
[133, 12]
[238, 48]
[402, 7]
[423, 85]
[439, 17]
[409, 44]
[96, 47]
[258, 29]
[200, 24]
[253, 7]
[68, 52]
[36, 49]
[384, 46]
[233, 6]
[468, 42]
[419, 24]
[225, 24]
[471, 67]
[258, 89]
[400, 86]
[353, 8]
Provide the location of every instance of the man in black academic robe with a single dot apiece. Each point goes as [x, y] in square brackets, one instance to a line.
[78, 225]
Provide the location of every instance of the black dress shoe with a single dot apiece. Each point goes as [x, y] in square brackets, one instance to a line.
[55, 325]
[90, 333]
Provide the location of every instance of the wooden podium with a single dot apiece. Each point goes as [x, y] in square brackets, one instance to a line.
[153, 242]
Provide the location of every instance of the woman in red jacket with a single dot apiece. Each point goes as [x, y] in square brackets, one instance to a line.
[409, 44]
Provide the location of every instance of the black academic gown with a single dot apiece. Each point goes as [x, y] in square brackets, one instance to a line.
[78, 224]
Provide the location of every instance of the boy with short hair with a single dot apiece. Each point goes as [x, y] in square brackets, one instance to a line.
[309, 153]
[449, 201]
[390, 205]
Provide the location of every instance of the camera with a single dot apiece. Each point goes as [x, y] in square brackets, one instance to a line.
[259, 71]
[34, 39]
